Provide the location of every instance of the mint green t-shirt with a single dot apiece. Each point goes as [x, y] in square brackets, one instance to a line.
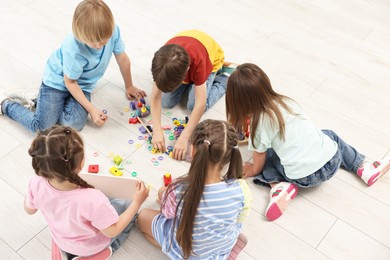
[305, 148]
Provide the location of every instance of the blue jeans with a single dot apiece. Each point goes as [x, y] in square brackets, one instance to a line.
[120, 206]
[53, 107]
[215, 87]
[346, 157]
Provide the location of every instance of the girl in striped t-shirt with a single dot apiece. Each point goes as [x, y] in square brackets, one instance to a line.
[202, 212]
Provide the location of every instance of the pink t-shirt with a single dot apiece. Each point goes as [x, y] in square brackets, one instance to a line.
[74, 217]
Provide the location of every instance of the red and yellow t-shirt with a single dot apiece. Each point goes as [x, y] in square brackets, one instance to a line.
[205, 54]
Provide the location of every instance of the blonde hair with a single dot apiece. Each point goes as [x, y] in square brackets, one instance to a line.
[92, 21]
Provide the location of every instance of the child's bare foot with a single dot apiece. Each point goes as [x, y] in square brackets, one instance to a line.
[229, 64]
[228, 68]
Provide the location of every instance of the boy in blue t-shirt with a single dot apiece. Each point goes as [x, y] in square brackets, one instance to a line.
[72, 71]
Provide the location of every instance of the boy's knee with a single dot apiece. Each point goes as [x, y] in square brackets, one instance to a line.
[35, 127]
[167, 104]
[190, 106]
[38, 126]
[78, 125]
[77, 122]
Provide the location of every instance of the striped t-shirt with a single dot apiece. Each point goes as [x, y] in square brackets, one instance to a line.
[218, 221]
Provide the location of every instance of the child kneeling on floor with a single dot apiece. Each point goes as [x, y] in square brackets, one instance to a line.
[288, 150]
[81, 219]
[202, 212]
[71, 74]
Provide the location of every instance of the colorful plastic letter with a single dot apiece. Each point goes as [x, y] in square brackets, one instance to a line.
[93, 168]
[115, 171]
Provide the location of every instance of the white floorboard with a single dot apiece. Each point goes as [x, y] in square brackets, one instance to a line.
[332, 56]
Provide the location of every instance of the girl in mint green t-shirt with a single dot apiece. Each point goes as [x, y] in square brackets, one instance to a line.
[288, 150]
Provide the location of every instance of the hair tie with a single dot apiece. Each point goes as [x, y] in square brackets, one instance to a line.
[207, 142]
[235, 147]
[67, 131]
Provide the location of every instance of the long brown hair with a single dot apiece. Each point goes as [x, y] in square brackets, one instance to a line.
[169, 67]
[249, 94]
[214, 143]
[58, 153]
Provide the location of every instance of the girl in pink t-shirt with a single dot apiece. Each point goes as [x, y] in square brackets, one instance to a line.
[82, 220]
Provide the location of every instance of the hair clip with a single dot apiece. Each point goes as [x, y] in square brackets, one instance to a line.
[206, 141]
[67, 131]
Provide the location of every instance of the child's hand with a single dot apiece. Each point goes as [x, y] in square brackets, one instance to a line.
[134, 92]
[98, 117]
[141, 193]
[180, 149]
[158, 140]
[247, 170]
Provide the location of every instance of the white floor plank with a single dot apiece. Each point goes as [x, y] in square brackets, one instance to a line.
[332, 57]
[345, 240]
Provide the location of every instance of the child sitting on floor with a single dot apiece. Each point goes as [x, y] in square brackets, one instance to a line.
[82, 220]
[202, 213]
[72, 72]
[288, 150]
[191, 62]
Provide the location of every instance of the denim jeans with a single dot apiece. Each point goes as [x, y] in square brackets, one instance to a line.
[346, 157]
[120, 206]
[215, 87]
[53, 107]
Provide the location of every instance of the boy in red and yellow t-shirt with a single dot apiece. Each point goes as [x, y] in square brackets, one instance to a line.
[191, 61]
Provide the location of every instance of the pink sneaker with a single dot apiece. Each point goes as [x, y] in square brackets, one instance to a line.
[281, 194]
[371, 172]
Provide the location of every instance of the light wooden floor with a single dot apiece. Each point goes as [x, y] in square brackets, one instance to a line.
[331, 56]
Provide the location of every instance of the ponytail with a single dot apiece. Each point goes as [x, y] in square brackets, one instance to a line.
[235, 166]
[214, 144]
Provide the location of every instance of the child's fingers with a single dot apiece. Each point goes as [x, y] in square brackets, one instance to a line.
[143, 186]
[178, 153]
[158, 145]
[104, 117]
[143, 93]
[138, 185]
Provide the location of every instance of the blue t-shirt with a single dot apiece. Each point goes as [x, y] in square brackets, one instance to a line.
[81, 63]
